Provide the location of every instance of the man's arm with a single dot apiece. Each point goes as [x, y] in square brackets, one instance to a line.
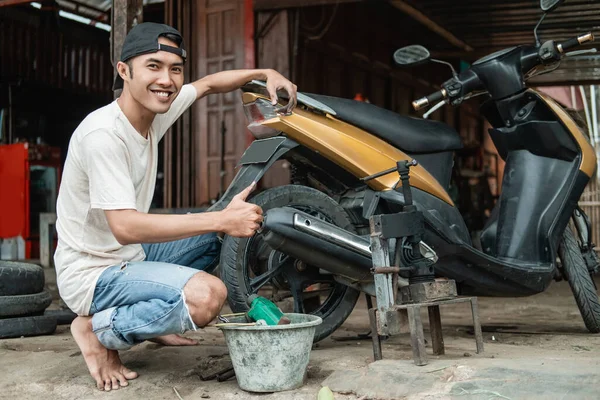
[227, 81]
[131, 226]
[239, 219]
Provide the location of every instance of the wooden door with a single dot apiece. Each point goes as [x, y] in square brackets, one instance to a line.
[221, 47]
[214, 33]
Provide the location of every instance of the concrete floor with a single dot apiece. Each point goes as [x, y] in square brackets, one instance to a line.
[534, 347]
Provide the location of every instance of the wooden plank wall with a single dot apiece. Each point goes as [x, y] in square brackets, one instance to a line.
[178, 163]
[346, 49]
[38, 47]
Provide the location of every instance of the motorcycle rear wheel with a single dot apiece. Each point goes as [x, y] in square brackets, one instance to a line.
[243, 260]
[577, 274]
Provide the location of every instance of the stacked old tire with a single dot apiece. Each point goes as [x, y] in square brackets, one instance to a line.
[23, 301]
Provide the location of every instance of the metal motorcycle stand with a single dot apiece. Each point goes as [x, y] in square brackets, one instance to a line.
[413, 260]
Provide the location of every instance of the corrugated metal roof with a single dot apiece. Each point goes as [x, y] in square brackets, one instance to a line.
[100, 4]
[106, 4]
[94, 11]
[98, 10]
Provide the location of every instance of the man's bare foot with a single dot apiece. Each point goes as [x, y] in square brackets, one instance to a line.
[105, 365]
[174, 340]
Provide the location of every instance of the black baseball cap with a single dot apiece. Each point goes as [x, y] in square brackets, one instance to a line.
[143, 39]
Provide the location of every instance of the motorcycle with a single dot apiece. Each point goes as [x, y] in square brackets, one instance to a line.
[313, 250]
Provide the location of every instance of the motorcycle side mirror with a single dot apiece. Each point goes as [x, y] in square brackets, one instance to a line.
[411, 56]
[546, 6]
[549, 5]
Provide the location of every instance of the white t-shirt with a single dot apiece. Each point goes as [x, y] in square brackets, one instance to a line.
[109, 166]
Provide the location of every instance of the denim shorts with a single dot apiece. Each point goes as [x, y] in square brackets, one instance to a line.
[136, 301]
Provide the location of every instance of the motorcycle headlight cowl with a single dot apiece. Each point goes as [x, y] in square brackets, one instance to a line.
[256, 113]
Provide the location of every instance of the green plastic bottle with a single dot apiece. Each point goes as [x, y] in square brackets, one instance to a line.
[261, 308]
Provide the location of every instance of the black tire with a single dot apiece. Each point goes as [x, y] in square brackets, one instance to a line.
[63, 317]
[25, 304]
[580, 280]
[340, 301]
[27, 326]
[20, 278]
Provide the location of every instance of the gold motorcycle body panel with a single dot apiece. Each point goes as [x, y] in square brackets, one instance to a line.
[357, 151]
[588, 154]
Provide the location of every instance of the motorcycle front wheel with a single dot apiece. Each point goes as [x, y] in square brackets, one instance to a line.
[581, 281]
[300, 288]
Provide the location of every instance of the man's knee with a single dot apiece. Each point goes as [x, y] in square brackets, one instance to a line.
[205, 296]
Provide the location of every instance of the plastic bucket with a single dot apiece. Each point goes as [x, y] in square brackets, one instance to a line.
[271, 358]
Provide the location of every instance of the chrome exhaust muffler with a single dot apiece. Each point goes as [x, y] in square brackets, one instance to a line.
[318, 243]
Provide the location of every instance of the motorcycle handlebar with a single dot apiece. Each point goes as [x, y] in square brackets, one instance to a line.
[530, 58]
[574, 42]
[429, 99]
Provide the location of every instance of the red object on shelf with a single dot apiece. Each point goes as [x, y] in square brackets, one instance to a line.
[29, 181]
[13, 191]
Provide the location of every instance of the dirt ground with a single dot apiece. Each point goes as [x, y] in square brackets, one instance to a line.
[543, 327]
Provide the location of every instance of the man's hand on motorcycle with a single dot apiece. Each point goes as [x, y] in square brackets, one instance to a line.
[242, 219]
[276, 81]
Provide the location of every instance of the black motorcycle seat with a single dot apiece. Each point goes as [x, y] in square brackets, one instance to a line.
[413, 135]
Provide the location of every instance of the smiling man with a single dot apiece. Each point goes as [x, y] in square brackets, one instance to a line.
[129, 275]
